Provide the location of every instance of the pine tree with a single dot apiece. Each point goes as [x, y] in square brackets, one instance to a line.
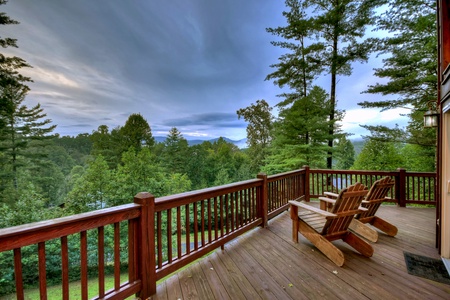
[175, 154]
[334, 33]
[410, 67]
[23, 130]
[301, 134]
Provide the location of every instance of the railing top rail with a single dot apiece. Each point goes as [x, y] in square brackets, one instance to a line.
[285, 174]
[421, 174]
[28, 234]
[352, 172]
[360, 172]
[171, 201]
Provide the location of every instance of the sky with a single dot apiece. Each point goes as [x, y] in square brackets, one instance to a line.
[184, 64]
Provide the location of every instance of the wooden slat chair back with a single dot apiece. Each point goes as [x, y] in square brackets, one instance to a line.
[375, 197]
[322, 227]
[346, 207]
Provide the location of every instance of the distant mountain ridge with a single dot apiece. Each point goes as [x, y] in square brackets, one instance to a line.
[192, 141]
[241, 144]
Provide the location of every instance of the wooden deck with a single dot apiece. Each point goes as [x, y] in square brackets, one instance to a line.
[266, 264]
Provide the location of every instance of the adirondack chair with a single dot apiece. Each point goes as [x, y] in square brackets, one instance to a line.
[376, 195]
[322, 227]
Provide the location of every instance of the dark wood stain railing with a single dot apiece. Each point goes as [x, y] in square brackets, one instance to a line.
[167, 233]
[410, 187]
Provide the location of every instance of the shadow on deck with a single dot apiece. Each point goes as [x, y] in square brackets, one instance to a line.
[267, 264]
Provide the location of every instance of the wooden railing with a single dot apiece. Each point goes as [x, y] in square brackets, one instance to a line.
[410, 187]
[167, 233]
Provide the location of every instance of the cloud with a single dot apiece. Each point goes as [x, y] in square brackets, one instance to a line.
[185, 64]
[354, 118]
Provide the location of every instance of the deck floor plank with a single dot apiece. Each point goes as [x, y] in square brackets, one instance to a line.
[213, 277]
[233, 272]
[266, 264]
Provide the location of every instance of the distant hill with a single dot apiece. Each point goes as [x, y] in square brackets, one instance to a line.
[239, 143]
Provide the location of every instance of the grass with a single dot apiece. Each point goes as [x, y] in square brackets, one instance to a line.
[55, 292]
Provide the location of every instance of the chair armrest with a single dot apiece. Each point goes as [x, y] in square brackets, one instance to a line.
[312, 208]
[301, 198]
[330, 194]
[328, 200]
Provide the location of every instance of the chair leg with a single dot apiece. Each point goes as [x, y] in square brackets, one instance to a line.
[294, 217]
[363, 230]
[295, 230]
[384, 226]
[359, 244]
[321, 243]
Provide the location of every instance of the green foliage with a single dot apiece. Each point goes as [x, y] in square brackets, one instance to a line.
[136, 133]
[259, 131]
[418, 158]
[23, 130]
[174, 156]
[93, 190]
[107, 144]
[139, 172]
[78, 147]
[300, 65]
[410, 68]
[301, 133]
[30, 207]
[379, 156]
[322, 37]
[345, 154]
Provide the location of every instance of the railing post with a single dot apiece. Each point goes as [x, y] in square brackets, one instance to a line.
[146, 244]
[306, 187]
[400, 187]
[263, 205]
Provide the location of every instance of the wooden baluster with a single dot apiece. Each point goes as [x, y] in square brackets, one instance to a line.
[101, 261]
[222, 216]
[232, 217]
[42, 271]
[209, 221]
[84, 264]
[188, 234]
[18, 273]
[133, 270]
[159, 238]
[169, 234]
[195, 226]
[65, 267]
[179, 232]
[116, 256]
[202, 214]
[216, 221]
[227, 226]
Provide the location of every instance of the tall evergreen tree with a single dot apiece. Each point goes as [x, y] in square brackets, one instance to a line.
[410, 67]
[300, 65]
[22, 130]
[335, 31]
[301, 133]
[175, 154]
